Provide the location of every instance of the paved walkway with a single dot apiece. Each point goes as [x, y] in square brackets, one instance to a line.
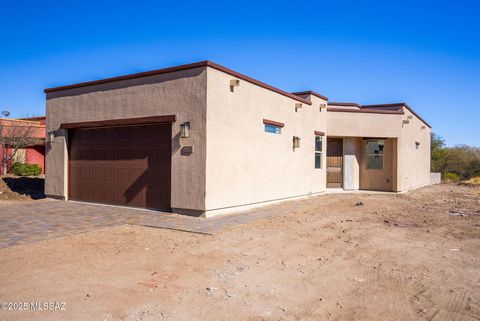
[47, 219]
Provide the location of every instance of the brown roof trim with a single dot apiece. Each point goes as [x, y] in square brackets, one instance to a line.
[130, 76]
[205, 63]
[318, 133]
[272, 122]
[384, 105]
[310, 92]
[336, 103]
[418, 116]
[35, 118]
[368, 111]
[121, 122]
[399, 105]
[256, 82]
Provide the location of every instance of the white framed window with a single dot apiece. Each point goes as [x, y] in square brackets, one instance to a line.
[318, 151]
[374, 153]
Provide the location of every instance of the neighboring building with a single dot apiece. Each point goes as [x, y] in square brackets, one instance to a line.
[34, 153]
[201, 139]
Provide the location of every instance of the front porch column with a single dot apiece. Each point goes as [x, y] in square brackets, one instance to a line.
[351, 165]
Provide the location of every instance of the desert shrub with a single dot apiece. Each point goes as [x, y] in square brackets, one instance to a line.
[474, 180]
[22, 169]
[450, 177]
[462, 160]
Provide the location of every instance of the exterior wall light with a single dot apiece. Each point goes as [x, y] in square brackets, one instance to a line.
[298, 106]
[417, 144]
[234, 83]
[185, 130]
[323, 106]
[296, 142]
[51, 136]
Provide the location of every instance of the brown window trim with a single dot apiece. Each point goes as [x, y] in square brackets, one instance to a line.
[121, 122]
[375, 138]
[273, 123]
[319, 133]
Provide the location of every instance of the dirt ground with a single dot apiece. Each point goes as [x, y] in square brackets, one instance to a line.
[413, 256]
[21, 189]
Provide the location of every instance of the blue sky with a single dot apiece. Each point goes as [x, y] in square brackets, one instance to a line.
[426, 53]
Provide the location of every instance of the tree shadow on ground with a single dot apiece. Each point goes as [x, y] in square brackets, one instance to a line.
[33, 187]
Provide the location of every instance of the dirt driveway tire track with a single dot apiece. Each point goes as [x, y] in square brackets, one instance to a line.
[322, 259]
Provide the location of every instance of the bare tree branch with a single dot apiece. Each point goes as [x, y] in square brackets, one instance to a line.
[16, 134]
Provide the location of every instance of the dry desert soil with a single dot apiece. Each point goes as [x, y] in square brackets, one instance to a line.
[412, 256]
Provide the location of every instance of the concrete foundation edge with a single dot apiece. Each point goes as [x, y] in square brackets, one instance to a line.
[246, 207]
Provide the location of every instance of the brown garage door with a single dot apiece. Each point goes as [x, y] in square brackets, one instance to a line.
[128, 166]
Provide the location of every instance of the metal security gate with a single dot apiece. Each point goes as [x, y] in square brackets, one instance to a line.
[129, 166]
[335, 162]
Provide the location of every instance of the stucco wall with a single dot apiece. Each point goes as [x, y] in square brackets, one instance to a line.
[352, 151]
[36, 155]
[379, 179]
[410, 165]
[356, 124]
[413, 162]
[182, 93]
[246, 165]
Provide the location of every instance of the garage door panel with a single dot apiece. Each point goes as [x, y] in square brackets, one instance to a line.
[98, 193]
[122, 166]
[83, 173]
[157, 175]
[98, 173]
[84, 192]
[152, 194]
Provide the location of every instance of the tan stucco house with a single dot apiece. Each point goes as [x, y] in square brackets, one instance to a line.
[201, 139]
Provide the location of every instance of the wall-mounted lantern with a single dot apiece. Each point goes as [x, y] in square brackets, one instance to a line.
[51, 136]
[185, 130]
[417, 144]
[296, 142]
[297, 107]
[323, 106]
[234, 83]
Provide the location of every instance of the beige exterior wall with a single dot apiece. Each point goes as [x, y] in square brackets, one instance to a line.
[379, 179]
[182, 93]
[357, 124]
[352, 158]
[406, 167]
[413, 163]
[247, 166]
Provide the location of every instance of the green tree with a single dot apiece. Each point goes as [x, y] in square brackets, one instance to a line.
[462, 160]
[438, 153]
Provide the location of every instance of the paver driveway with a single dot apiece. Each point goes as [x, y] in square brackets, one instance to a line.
[46, 219]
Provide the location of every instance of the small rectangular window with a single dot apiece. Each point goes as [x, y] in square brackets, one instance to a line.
[273, 129]
[318, 151]
[375, 154]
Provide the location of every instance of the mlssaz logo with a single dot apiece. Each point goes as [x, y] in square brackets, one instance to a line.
[47, 305]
